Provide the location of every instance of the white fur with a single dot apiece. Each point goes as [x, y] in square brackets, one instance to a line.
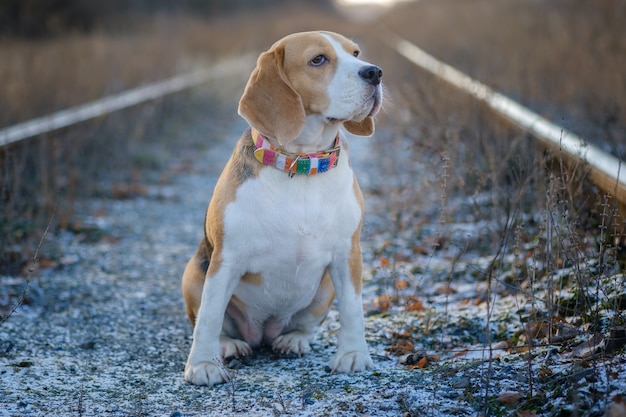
[305, 222]
[352, 98]
[290, 231]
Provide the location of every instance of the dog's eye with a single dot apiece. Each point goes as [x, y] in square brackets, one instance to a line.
[318, 60]
[356, 53]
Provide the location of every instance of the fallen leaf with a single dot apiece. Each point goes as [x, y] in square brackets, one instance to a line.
[99, 213]
[545, 372]
[509, 397]
[503, 345]
[122, 191]
[383, 302]
[417, 360]
[445, 290]
[401, 284]
[537, 329]
[401, 347]
[47, 263]
[526, 413]
[111, 239]
[420, 250]
[398, 257]
[590, 347]
[460, 353]
[420, 364]
[413, 304]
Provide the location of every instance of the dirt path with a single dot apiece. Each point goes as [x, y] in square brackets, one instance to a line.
[108, 333]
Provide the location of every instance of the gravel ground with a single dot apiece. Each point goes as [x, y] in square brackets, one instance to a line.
[104, 331]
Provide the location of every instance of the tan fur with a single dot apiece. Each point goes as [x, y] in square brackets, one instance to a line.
[252, 279]
[324, 297]
[308, 81]
[362, 128]
[356, 259]
[208, 257]
[269, 101]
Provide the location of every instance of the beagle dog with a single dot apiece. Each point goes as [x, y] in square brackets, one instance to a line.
[282, 228]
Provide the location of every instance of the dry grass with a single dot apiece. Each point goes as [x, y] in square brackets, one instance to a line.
[43, 76]
[560, 60]
[563, 58]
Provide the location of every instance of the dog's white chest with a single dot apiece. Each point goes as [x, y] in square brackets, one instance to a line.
[288, 230]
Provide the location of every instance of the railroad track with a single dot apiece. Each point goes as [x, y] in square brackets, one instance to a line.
[605, 170]
[124, 100]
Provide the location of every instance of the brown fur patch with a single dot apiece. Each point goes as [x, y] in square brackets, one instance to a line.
[311, 82]
[363, 128]
[269, 102]
[240, 167]
[356, 260]
[240, 305]
[252, 279]
[324, 297]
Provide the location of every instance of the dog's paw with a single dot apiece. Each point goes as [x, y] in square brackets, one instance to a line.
[349, 362]
[206, 373]
[292, 342]
[234, 347]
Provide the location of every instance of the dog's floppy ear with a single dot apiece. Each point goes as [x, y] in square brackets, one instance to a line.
[362, 128]
[269, 102]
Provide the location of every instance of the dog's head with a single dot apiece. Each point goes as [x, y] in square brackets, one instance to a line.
[311, 73]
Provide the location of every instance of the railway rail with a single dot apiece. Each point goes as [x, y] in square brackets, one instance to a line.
[605, 170]
[122, 100]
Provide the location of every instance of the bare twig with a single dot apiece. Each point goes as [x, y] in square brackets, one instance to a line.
[33, 264]
[232, 391]
[490, 274]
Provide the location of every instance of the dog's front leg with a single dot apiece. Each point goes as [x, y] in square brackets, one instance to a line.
[204, 365]
[352, 353]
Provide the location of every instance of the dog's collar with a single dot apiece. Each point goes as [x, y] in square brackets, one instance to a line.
[294, 163]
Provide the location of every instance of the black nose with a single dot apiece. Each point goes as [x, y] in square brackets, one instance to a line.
[372, 74]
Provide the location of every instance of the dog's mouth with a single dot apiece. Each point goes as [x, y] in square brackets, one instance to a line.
[377, 104]
[369, 107]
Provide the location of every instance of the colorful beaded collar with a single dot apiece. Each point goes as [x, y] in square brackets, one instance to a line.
[294, 163]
